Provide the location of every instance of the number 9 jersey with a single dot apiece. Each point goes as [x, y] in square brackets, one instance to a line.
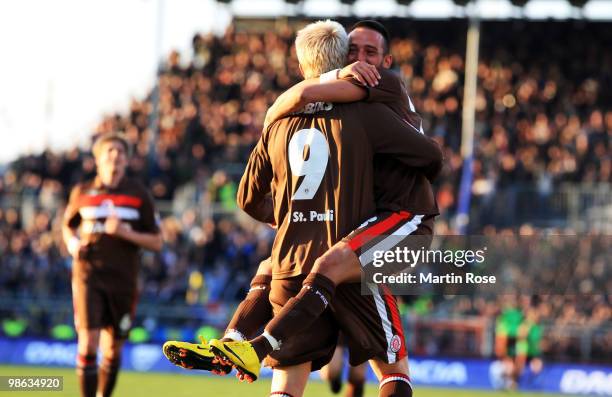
[312, 175]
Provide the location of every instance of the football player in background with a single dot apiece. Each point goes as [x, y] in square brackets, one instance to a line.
[106, 223]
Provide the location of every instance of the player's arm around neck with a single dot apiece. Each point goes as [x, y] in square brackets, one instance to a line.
[396, 138]
[313, 90]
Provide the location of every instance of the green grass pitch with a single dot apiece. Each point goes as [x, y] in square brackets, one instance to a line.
[137, 384]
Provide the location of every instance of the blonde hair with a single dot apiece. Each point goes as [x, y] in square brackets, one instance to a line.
[321, 46]
[108, 137]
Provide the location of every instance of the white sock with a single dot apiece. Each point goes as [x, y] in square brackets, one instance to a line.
[276, 344]
[234, 335]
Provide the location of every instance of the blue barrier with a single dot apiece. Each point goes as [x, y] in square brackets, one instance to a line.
[437, 372]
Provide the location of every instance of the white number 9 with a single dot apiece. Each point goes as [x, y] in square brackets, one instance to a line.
[314, 167]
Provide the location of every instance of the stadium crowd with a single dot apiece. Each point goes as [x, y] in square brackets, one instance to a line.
[543, 119]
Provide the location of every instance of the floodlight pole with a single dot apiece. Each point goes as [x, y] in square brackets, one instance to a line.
[467, 128]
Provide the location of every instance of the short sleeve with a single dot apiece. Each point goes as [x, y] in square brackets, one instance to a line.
[149, 217]
[72, 218]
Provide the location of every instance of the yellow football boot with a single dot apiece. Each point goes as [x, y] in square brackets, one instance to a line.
[194, 356]
[241, 355]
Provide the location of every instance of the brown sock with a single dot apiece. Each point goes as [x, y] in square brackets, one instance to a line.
[298, 313]
[354, 388]
[335, 384]
[255, 310]
[87, 372]
[107, 376]
[262, 347]
[395, 385]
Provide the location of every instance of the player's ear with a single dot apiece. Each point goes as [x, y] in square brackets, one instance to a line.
[387, 61]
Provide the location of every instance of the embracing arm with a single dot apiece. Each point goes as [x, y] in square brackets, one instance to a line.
[403, 142]
[327, 88]
[311, 90]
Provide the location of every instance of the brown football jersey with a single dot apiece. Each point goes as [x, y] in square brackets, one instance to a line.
[110, 262]
[396, 186]
[318, 167]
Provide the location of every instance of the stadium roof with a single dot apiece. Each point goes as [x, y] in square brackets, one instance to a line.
[596, 10]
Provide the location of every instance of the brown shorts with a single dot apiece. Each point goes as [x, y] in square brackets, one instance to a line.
[315, 343]
[387, 232]
[368, 315]
[370, 324]
[96, 307]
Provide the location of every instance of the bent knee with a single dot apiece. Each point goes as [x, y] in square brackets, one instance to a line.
[339, 256]
[325, 265]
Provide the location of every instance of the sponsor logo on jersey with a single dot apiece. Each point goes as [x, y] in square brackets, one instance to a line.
[89, 227]
[104, 205]
[123, 213]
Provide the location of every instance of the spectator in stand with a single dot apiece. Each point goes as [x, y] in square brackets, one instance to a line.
[543, 119]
